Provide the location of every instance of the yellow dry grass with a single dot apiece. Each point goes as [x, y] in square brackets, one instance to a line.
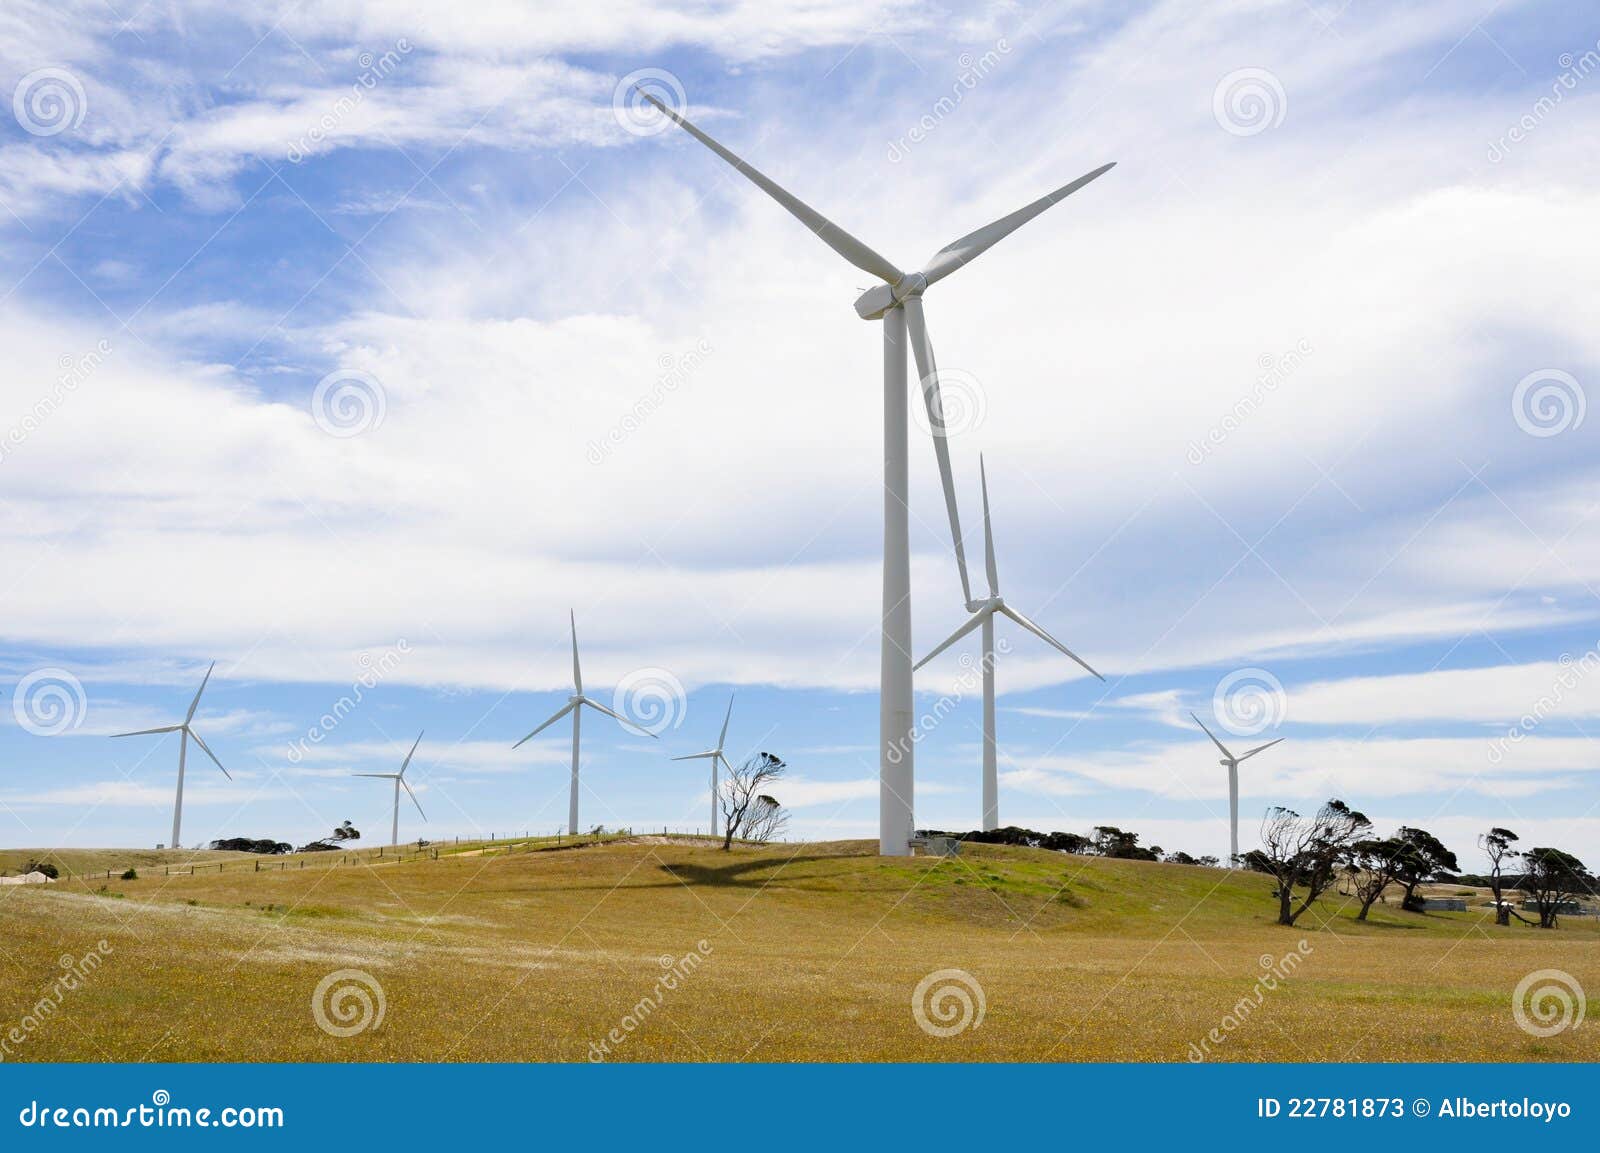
[811, 953]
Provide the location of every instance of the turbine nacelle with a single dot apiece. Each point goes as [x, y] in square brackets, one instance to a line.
[880, 298]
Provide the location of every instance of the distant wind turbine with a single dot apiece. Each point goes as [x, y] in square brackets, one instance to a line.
[183, 752]
[1231, 763]
[984, 616]
[399, 780]
[574, 706]
[714, 755]
[898, 302]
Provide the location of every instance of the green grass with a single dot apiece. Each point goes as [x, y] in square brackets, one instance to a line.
[533, 953]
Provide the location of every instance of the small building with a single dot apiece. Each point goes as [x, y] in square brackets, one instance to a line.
[1444, 904]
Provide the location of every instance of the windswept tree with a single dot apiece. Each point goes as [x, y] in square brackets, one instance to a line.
[1422, 856]
[749, 810]
[1371, 864]
[1497, 846]
[1305, 852]
[1554, 878]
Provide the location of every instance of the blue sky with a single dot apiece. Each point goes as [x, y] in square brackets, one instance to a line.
[1293, 401]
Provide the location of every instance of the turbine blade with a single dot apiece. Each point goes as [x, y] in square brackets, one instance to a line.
[618, 717]
[413, 797]
[194, 704]
[147, 732]
[567, 709]
[928, 371]
[406, 763]
[697, 756]
[1213, 737]
[974, 244]
[988, 533]
[1047, 638]
[973, 622]
[380, 776]
[722, 739]
[577, 673]
[1260, 748]
[827, 231]
[205, 748]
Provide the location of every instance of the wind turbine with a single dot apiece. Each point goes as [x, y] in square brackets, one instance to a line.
[574, 706]
[714, 755]
[1231, 763]
[183, 751]
[399, 780]
[898, 302]
[983, 614]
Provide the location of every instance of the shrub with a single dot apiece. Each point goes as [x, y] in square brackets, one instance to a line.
[44, 867]
[130, 874]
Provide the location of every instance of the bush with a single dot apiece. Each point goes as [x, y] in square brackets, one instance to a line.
[130, 874]
[44, 867]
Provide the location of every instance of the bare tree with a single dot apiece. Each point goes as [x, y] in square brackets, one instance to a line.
[1304, 852]
[749, 811]
[1496, 845]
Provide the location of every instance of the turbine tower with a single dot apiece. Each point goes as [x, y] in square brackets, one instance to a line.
[983, 615]
[1231, 763]
[399, 780]
[898, 303]
[714, 755]
[183, 752]
[574, 706]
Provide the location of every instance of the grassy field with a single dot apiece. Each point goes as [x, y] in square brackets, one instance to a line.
[801, 952]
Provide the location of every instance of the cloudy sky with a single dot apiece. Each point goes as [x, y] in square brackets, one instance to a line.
[351, 344]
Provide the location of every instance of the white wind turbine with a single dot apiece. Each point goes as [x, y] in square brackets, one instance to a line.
[898, 301]
[574, 706]
[399, 780]
[984, 614]
[714, 755]
[183, 752]
[1231, 763]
